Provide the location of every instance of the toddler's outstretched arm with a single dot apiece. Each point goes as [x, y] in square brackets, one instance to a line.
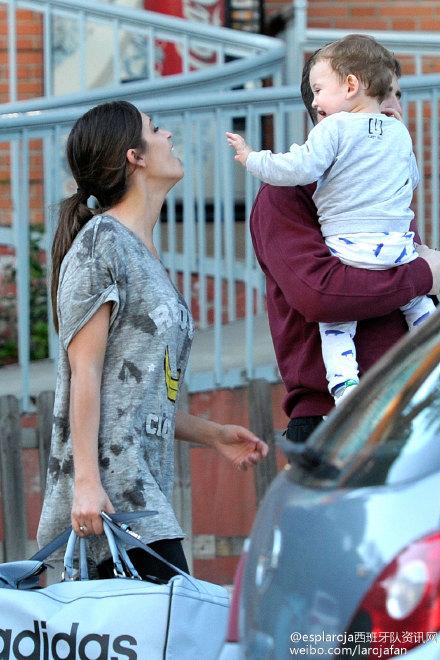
[242, 149]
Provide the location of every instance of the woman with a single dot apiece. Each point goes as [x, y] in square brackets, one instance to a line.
[125, 335]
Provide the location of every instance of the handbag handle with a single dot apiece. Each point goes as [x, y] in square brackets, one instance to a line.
[117, 524]
[61, 540]
[117, 551]
[129, 538]
[69, 572]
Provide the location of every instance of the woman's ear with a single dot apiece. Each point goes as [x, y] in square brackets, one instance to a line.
[135, 158]
[352, 85]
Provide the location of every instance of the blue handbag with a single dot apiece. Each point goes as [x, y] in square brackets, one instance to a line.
[114, 619]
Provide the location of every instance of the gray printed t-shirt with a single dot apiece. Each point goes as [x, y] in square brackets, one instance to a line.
[147, 351]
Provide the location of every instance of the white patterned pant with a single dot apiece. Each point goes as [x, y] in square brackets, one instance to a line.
[375, 252]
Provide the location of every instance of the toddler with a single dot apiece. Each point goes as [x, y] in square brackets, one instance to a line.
[365, 170]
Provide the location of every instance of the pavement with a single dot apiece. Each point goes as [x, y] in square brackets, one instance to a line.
[42, 372]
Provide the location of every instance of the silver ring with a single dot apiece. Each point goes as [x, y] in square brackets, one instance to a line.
[82, 528]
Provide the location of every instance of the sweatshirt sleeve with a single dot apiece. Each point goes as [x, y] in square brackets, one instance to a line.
[414, 170]
[291, 251]
[303, 164]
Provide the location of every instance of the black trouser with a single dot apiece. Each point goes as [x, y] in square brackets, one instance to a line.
[148, 566]
[299, 428]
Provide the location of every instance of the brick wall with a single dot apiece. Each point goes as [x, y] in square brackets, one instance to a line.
[30, 74]
[29, 55]
[376, 14]
[29, 31]
[367, 14]
[380, 15]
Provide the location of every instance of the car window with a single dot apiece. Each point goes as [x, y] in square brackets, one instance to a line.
[394, 438]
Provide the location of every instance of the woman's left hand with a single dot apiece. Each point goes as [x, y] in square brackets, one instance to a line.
[240, 446]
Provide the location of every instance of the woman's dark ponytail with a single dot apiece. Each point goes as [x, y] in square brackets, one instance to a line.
[96, 152]
[73, 215]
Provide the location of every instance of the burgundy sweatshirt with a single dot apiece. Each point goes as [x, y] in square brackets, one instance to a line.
[305, 284]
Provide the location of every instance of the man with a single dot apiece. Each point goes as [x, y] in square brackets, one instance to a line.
[305, 285]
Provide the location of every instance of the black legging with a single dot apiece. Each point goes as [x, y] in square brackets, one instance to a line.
[146, 565]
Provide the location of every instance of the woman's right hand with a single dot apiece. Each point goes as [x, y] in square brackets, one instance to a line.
[89, 499]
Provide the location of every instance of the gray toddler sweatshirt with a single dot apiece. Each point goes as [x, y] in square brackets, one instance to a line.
[364, 167]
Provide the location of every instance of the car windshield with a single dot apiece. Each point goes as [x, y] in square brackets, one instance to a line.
[392, 437]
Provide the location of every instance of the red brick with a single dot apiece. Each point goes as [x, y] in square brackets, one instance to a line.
[411, 9]
[29, 421]
[360, 12]
[26, 28]
[25, 15]
[220, 570]
[26, 58]
[407, 64]
[328, 12]
[30, 41]
[5, 204]
[29, 89]
[431, 25]
[404, 24]
[370, 23]
[37, 217]
[431, 67]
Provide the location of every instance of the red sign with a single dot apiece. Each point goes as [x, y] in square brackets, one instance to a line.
[169, 58]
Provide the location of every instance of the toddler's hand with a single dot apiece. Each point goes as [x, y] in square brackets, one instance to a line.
[242, 149]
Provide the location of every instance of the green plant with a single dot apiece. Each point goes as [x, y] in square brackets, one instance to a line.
[39, 345]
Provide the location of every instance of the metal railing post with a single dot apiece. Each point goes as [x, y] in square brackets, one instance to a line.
[295, 41]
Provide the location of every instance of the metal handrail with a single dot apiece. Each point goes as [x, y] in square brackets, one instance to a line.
[397, 41]
[231, 75]
[258, 51]
[245, 42]
[415, 87]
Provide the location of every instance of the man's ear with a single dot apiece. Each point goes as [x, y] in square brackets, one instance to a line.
[352, 85]
[135, 158]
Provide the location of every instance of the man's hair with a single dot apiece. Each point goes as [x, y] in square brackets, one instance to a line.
[306, 90]
[363, 57]
[397, 70]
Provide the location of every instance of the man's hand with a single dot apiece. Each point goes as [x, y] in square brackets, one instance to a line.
[391, 112]
[241, 148]
[240, 446]
[432, 257]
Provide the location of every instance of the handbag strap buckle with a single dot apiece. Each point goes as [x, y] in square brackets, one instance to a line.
[65, 577]
[118, 574]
